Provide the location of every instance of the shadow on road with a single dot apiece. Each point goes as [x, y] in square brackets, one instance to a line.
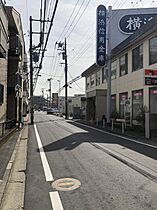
[93, 136]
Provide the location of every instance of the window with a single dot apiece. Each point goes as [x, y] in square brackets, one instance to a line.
[137, 58]
[113, 104]
[1, 93]
[92, 80]
[88, 83]
[153, 100]
[113, 69]
[97, 78]
[122, 99]
[137, 103]
[153, 50]
[103, 75]
[123, 64]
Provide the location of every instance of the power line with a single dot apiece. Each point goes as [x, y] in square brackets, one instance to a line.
[79, 18]
[74, 18]
[68, 20]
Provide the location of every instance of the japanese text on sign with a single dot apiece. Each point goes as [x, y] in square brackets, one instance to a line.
[130, 23]
[101, 36]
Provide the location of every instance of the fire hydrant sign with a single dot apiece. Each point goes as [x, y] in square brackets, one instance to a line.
[101, 35]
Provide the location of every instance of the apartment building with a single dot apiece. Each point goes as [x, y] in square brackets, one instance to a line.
[16, 64]
[3, 62]
[133, 80]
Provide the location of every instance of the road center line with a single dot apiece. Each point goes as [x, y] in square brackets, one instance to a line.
[46, 167]
[56, 201]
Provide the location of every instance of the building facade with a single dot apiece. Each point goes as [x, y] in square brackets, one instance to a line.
[133, 91]
[3, 62]
[16, 65]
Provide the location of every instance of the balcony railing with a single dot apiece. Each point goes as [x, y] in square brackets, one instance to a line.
[15, 47]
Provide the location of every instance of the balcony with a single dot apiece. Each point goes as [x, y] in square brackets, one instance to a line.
[15, 48]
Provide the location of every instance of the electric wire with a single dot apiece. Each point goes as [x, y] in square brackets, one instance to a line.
[74, 18]
[68, 20]
[47, 38]
[79, 18]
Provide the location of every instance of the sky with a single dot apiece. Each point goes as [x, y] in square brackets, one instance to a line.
[79, 32]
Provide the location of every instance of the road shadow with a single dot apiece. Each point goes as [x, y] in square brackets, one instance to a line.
[93, 136]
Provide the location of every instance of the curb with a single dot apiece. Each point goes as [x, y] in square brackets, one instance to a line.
[13, 186]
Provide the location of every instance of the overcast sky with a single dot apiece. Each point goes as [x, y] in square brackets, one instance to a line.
[80, 37]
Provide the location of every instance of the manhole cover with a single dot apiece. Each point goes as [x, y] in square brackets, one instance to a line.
[66, 184]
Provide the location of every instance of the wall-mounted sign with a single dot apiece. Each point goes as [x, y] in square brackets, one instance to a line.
[150, 80]
[101, 35]
[150, 77]
[130, 23]
[150, 72]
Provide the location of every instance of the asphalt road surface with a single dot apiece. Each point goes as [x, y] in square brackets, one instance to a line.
[60, 151]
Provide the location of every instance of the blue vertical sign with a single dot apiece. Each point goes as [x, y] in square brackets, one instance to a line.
[101, 35]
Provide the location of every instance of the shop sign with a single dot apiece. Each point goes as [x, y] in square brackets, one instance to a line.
[101, 35]
[150, 77]
[128, 24]
[150, 72]
[150, 80]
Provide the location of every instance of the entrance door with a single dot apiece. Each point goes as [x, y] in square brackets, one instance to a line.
[153, 111]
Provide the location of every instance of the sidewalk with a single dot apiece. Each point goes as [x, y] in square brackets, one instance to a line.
[139, 136]
[13, 185]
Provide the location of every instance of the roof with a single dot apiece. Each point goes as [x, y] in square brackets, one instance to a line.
[90, 69]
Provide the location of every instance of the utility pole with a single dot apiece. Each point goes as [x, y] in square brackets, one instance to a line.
[66, 82]
[109, 66]
[59, 95]
[63, 48]
[43, 102]
[50, 102]
[31, 75]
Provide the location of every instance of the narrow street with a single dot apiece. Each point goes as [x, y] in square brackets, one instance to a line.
[110, 172]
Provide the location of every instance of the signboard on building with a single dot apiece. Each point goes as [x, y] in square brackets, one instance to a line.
[150, 77]
[126, 21]
[130, 23]
[101, 35]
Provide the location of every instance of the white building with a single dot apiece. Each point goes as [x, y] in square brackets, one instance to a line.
[130, 59]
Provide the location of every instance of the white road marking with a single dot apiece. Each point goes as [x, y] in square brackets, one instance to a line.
[56, 201]
[116, 135]
[46, 167]
[54, 196]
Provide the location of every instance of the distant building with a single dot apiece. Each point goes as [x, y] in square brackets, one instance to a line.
[77, 106]
[39, 102]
